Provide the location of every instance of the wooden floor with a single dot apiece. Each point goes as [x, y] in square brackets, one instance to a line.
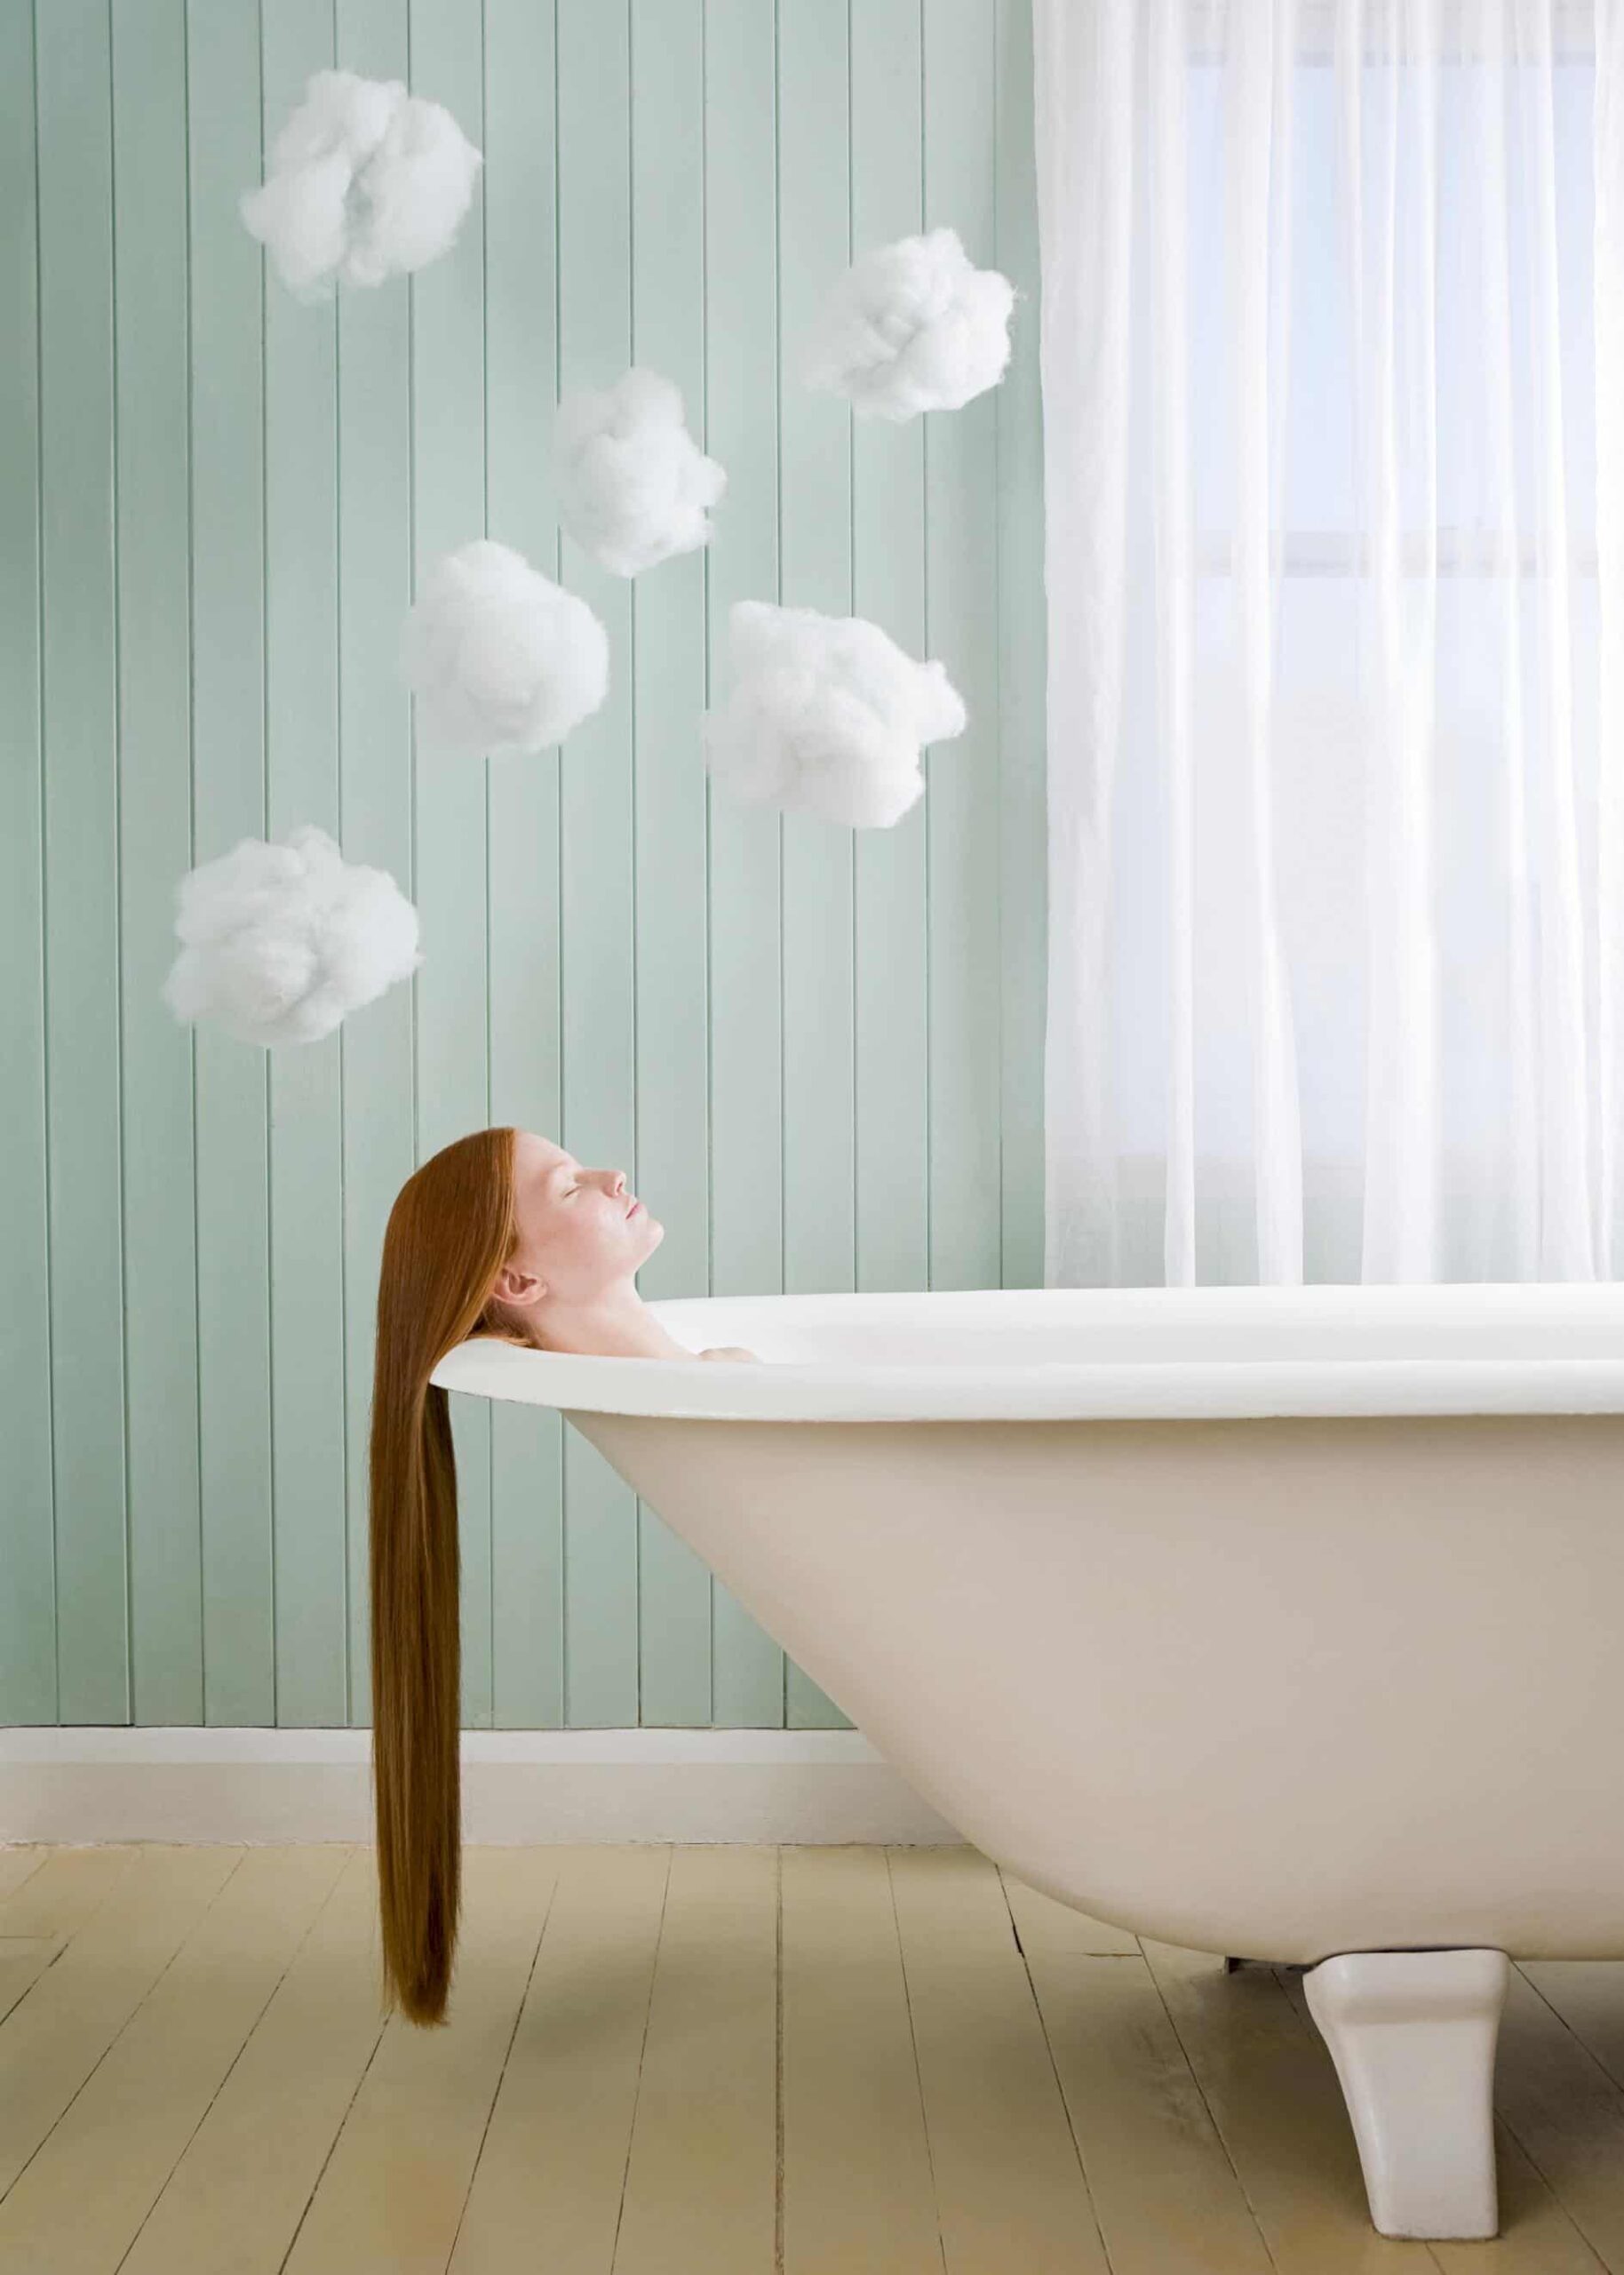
[712, 2061]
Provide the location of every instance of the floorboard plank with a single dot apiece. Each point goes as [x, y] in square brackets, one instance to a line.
[1566, 2113]
[93, 2181]
[1010, 2190]
[702, 2184]
[393, 2194]
[857, 2192]
[1165, 2192]
[237, 2195]
[44, 1901]
[546, 2192]
[23, 1960]
[1588, 1994]
[18, 1864]
[53, 2037]
[68, 1888]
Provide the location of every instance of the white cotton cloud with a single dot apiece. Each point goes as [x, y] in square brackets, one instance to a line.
[827, 716]
[912, 327]
[633, 487]
[365, 182]
[500, 656]
[280, 940]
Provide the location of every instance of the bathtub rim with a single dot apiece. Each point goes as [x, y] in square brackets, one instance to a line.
[1139, 1389]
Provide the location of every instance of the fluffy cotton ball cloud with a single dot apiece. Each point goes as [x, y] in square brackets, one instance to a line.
[280, 940]
[365, 182]
[827, 716]
[912, 327]
[633, 487]
[500, 656]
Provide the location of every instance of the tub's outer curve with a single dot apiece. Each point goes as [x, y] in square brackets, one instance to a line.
[1279, 1689]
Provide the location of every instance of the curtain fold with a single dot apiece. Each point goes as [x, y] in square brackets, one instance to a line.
[1257, 199]
[1169, 121]
[1607, 318]
[1333, 363]
[1085, 134]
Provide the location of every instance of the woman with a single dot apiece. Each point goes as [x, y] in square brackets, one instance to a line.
[500, 1233]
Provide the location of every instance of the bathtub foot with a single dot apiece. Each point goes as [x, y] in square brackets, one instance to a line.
[1412, 2037]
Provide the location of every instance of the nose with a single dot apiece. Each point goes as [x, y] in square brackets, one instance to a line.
[617, 1181]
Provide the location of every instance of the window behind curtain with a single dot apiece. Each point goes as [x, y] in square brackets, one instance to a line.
[1478, 126]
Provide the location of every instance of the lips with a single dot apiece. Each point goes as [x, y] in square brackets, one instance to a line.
[633, 1207]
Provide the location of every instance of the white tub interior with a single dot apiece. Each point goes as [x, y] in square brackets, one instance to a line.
[1160, 1325]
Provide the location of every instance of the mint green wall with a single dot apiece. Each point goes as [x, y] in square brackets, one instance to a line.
[817, 1053]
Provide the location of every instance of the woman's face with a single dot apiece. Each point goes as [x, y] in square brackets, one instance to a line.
[579, 1230]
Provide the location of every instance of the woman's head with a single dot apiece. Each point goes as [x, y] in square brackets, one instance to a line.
[577, 1232]
[489, 1236]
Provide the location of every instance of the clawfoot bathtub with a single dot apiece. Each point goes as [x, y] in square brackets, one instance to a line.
[1277, 1623]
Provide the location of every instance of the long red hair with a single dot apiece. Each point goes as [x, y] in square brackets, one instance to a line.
[449, 1232]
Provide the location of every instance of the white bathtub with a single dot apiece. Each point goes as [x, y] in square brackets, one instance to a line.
[1287, 1623]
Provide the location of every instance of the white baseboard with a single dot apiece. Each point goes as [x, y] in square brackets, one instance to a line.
[81, 1784]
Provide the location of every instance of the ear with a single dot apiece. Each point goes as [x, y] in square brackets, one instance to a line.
[513, 1285]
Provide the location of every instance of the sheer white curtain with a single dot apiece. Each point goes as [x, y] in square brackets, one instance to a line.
[1332, 354]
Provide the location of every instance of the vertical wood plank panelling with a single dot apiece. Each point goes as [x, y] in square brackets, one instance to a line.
[225, 305]
[817, 1052]
[814, 539]
[375, 732]
[962, 627]
[814, 546]
[301, 605]
[596, 772]
[889, 585]
[668, 695]
[447, 462]
[521, 366]
[81, 901]
[741, 217]
[28, 1603]
[154, 851]
[741, 287]
[1023, 944]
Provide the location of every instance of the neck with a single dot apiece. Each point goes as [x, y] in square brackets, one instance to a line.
[615, 1323]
